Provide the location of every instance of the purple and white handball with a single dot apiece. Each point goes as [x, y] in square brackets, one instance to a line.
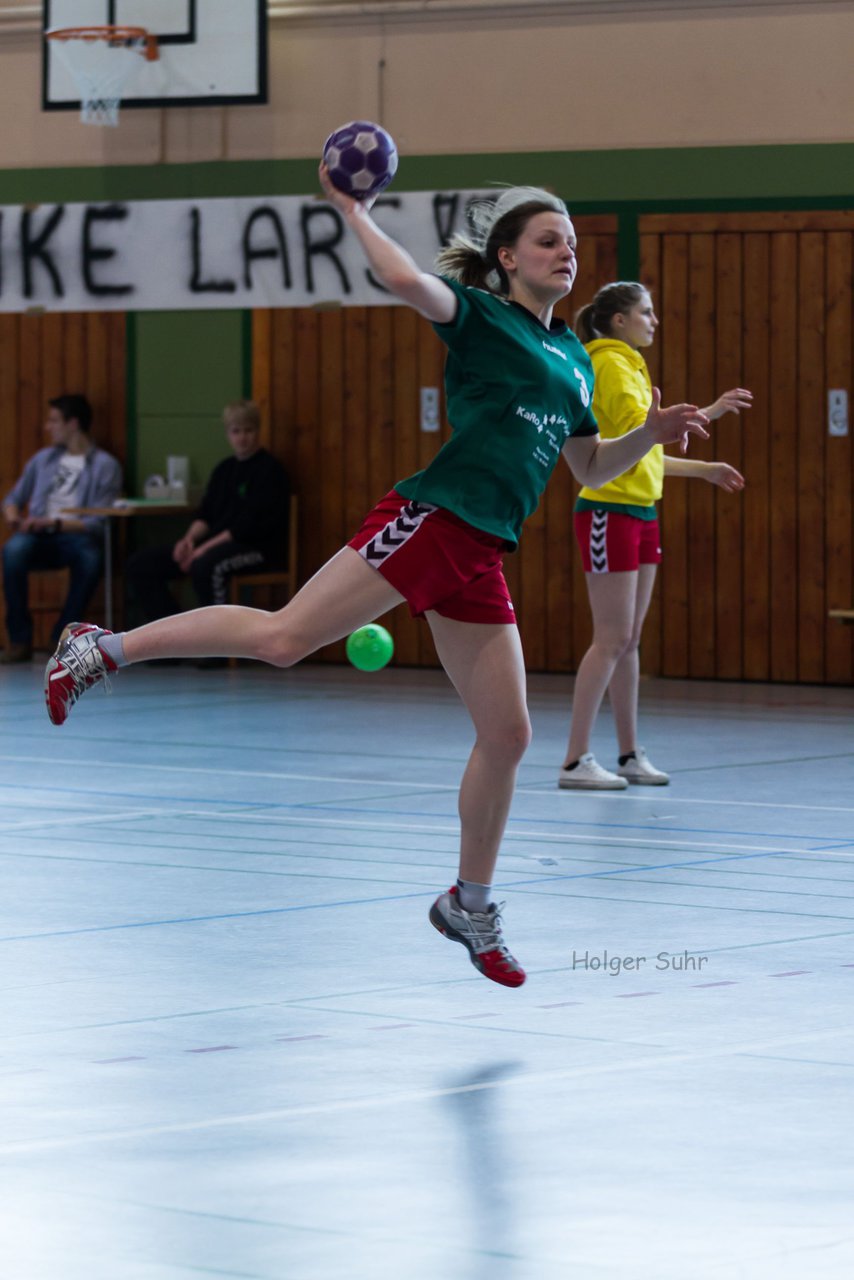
[361, 158]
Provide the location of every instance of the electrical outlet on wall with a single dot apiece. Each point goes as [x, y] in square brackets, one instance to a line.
[837, 412]
[429, 408]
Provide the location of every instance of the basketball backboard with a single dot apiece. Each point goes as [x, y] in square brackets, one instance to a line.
[212, 52]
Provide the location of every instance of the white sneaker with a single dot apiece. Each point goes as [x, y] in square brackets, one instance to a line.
[640, 770]
[590, 776]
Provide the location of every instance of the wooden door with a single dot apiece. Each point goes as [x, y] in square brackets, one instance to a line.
[763, 301]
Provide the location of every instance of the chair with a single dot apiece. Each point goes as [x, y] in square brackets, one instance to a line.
[273, 579]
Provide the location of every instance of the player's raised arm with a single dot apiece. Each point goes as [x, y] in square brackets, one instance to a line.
[389, 262]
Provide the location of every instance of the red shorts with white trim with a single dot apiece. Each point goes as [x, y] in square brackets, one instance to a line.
[613, 543]
[436, 560]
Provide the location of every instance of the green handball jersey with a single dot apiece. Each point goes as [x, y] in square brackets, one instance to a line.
[515, 392]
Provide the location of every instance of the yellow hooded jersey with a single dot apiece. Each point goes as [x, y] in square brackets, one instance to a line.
[622, 395]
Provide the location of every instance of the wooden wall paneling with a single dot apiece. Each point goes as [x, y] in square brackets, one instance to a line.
[262, 371]
[839, 474]
[756, 453]
[96, 381]
[728, 439]
[9, 344]
[745, 221]
[54, 376]
[305, 451]
[700, 494]
[380, 440]
[811, 618]
[330, 431]
[73, 351]
[31, 400]
[405, 628]
[650, 276]
[358, 499]
[111, 331]
[674, 337]
[281, 389]
[783, 301]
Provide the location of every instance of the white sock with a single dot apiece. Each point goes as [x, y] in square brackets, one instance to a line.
[113, 646]
[473, 896]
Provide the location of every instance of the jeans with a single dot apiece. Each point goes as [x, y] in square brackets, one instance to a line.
[82, 553]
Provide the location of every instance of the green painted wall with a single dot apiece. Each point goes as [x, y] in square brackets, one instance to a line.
[183, 367]
[824, 172]
[187, 366]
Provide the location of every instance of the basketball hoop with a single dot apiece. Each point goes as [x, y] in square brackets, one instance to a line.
[101, 61]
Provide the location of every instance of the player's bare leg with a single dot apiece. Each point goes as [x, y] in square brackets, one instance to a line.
[486, 666]
[342, 596]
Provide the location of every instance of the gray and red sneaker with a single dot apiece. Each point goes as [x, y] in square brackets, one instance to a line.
[480, 934]
[77, 664]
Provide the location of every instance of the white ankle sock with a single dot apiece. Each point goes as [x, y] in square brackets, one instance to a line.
[473, 896]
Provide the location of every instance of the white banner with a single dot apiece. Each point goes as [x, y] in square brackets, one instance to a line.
[143, 255]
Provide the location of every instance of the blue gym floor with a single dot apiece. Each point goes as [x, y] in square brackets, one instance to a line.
[231, 1045]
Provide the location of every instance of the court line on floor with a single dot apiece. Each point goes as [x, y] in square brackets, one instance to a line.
[223, 771]
[285, 815]
[387, 1100]
[400, 897]
[632, 875]
[307, 851]
[665, 796]
[266, 814]
[408, 988]
[525, 789]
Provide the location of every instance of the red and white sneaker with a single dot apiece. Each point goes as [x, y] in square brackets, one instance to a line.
[77, 664]
[480, 934]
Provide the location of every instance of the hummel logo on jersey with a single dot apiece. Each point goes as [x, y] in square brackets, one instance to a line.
[556, 351]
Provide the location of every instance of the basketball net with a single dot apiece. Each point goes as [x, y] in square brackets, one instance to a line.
[101, 61]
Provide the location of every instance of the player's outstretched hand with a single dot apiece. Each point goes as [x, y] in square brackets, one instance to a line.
[342, 202]
[726, 477]
[730, 402]
[677, 422]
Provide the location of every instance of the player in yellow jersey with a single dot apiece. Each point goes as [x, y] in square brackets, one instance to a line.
[617, 530]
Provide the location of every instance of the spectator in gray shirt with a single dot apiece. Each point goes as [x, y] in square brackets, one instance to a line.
[71, 472]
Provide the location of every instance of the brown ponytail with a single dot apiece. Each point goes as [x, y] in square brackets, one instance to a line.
[461, 260]
[497, 224]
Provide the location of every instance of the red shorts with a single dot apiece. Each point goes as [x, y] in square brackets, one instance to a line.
[436, 560]
[613, 543]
